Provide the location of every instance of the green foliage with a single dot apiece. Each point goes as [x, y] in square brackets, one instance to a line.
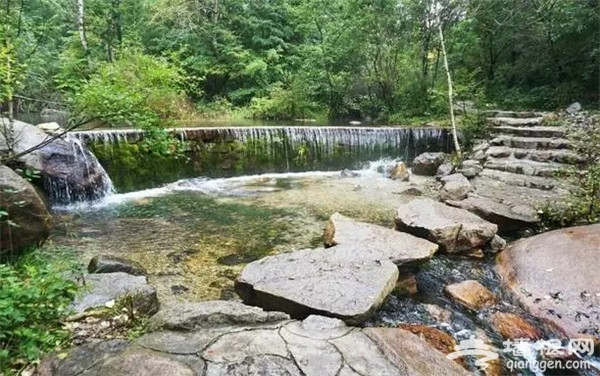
[137, 90]
[283, 104]
[34, 296]
[473, 127]
[285, 59]
[582, 204]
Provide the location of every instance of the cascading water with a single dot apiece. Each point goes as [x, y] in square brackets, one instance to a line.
[226, 152]
[75, 175]
[372, 142]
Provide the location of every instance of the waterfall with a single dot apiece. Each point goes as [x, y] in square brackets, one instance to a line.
[372, 142]
[76, 176]
[221, 152]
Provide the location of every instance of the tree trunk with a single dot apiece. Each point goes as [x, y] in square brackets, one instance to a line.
[450, 93]
[81, 25]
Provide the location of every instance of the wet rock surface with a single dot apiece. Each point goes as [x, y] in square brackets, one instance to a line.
[555, 276]
[317, 346]
[69, 171]
[374, 242]
[400, 172]
[471, 294]
[31, 221]
[455, 230]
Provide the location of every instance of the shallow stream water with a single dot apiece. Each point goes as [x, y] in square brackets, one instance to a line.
[195, 235]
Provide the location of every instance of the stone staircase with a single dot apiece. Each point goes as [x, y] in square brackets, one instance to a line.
[517, 173]
[525, 152]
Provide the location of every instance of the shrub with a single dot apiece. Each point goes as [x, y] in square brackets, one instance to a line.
[137, 90]
[582, 205]
[34, 296]
[473, 127]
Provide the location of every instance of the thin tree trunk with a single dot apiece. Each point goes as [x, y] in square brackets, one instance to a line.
[81, 25]
[450, 93]
[10, 99]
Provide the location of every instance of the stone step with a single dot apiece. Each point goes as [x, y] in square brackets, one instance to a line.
[513, 114]
[536, 143]
[556, 155]
[524, 167]
[515, 122]
[530, 131]
[518, 180]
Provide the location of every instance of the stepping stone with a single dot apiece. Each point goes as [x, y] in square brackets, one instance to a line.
[524, 167]
[455, 230]
[337, 282]
[508, 218]
[530, 131]
[377, 242]
[519, 180]
[515, 122]
[539, 143]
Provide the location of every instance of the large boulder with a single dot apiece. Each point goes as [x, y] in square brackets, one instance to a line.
[24, 218]
[376, 242]
[101, 289]
[455, 230]
[428, 163]
[69, 171]
[338, 282]
[555, 276]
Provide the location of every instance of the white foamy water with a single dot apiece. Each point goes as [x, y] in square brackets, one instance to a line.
[235, 186]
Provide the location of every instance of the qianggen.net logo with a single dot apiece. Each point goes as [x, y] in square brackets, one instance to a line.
[524, 354]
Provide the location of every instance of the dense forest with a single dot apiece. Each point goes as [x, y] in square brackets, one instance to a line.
[144, 61]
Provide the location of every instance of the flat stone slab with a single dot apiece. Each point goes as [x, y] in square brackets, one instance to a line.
[336, 282]
[211, 314]
[317, 346]
[525, 167]
[507, 217]
[377, 242]
[455, 230]
[100, 289]
[556, 277]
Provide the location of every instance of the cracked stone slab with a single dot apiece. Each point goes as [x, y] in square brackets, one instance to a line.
[192, 316]
[320, 281]
[376, 242]
[314, 357]
[235, 347]
[177, 342]
[262, 365]
[318, 327]
[363, 356]
[418, 357]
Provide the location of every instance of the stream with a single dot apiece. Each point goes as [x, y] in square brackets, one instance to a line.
[194, 230]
